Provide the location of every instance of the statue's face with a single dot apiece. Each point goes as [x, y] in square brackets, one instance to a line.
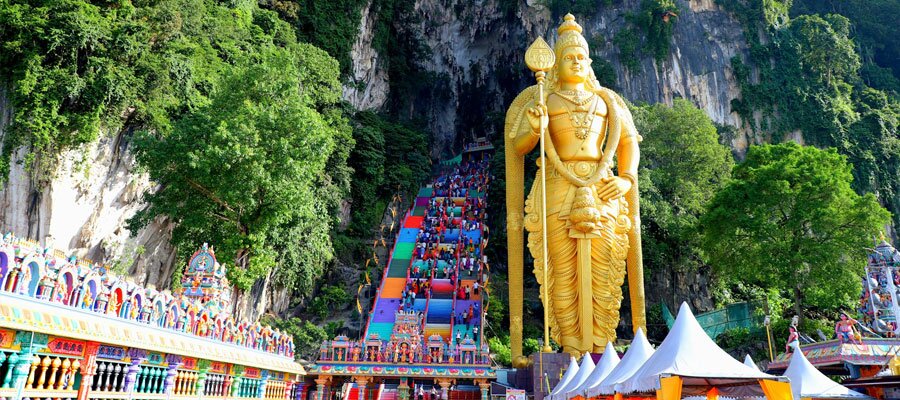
[574, 66]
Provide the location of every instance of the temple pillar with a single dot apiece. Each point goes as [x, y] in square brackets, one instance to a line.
[236, 384]
[201, 377]
[226, 386]
[288, 389]
[361, 383]
[6, 381]
[485, 387]
[23, 363]
[171, 373]
[263, 382]
[301, 387]
[403, 390]
[21, 368]
[445, 387]
[88, 369]
[321, 381]
[137, 357]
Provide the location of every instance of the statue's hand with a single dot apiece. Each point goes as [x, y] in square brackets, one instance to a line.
[538, 118]
[613, 187]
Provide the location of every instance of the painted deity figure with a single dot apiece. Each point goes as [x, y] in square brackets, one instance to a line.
[24, 279]
[88, 298]
[591, 216]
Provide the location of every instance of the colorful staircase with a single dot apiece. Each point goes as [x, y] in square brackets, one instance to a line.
[388, 392]
[442, 304]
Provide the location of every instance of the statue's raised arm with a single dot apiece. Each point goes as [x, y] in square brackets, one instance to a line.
[592, 213]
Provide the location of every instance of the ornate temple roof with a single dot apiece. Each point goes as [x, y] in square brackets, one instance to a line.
[44, 291]
[29, 314]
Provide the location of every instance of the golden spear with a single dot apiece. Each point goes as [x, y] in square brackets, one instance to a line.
[540, 58]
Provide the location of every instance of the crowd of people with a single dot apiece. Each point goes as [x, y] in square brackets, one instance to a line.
[450, 243]
[449, 246]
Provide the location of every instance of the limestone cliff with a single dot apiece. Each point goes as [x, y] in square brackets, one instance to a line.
[83, 206]
[474, 61]
[476, 54]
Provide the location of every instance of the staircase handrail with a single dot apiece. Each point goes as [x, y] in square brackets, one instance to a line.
[384, 274]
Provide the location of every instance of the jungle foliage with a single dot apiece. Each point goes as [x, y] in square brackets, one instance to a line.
[682, 166]
[790, 222]
[816, 87]
[214, 92]
[389, 158]
[256, 164]
[175, 74]
[872, 22]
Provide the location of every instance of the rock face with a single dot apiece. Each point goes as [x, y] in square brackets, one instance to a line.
[369, 85]
[85, 206]
[474, 64]
[476, 56]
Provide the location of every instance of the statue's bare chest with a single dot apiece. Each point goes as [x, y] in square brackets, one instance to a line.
[577, 125]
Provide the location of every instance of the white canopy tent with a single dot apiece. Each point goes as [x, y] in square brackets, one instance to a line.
[633, 359]
[571, 371]
[584, 370]
[689, 353]
[749, 362]
[604, 366]
[808, 382]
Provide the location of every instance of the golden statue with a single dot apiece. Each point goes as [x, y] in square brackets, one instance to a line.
[592, 224]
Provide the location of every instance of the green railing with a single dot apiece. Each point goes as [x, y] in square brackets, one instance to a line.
[737, 315]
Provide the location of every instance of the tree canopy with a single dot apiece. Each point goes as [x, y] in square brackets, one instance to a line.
[682, 166]
[238, 171]
[790, 221]
[819, 83]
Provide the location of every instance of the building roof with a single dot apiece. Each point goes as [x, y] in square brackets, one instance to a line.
[688, 352]
[584, 370]
[29, 314]
[749, 362]
[807, 381]
[605, 365]
[633, 359]
[571, 371]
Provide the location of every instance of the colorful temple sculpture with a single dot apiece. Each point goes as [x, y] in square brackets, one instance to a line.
[879, 303]
[424, 333]
[70, 329]
[866, 349]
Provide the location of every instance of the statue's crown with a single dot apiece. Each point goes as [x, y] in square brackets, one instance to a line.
[569, 24]
[569, 36]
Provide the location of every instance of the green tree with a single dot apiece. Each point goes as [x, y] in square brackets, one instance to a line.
[682, 166]
[389, 157]
[873, 147]
[790, 221]
[812, 76]
[875, 32]
[76, 68]
[307, 336]
[253, 163]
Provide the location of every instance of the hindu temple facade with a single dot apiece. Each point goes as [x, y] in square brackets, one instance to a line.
[70, 329]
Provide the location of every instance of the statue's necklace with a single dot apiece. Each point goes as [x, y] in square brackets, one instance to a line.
[577, 97]
[581, 123]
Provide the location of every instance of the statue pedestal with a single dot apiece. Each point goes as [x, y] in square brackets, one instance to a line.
[549, 365]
